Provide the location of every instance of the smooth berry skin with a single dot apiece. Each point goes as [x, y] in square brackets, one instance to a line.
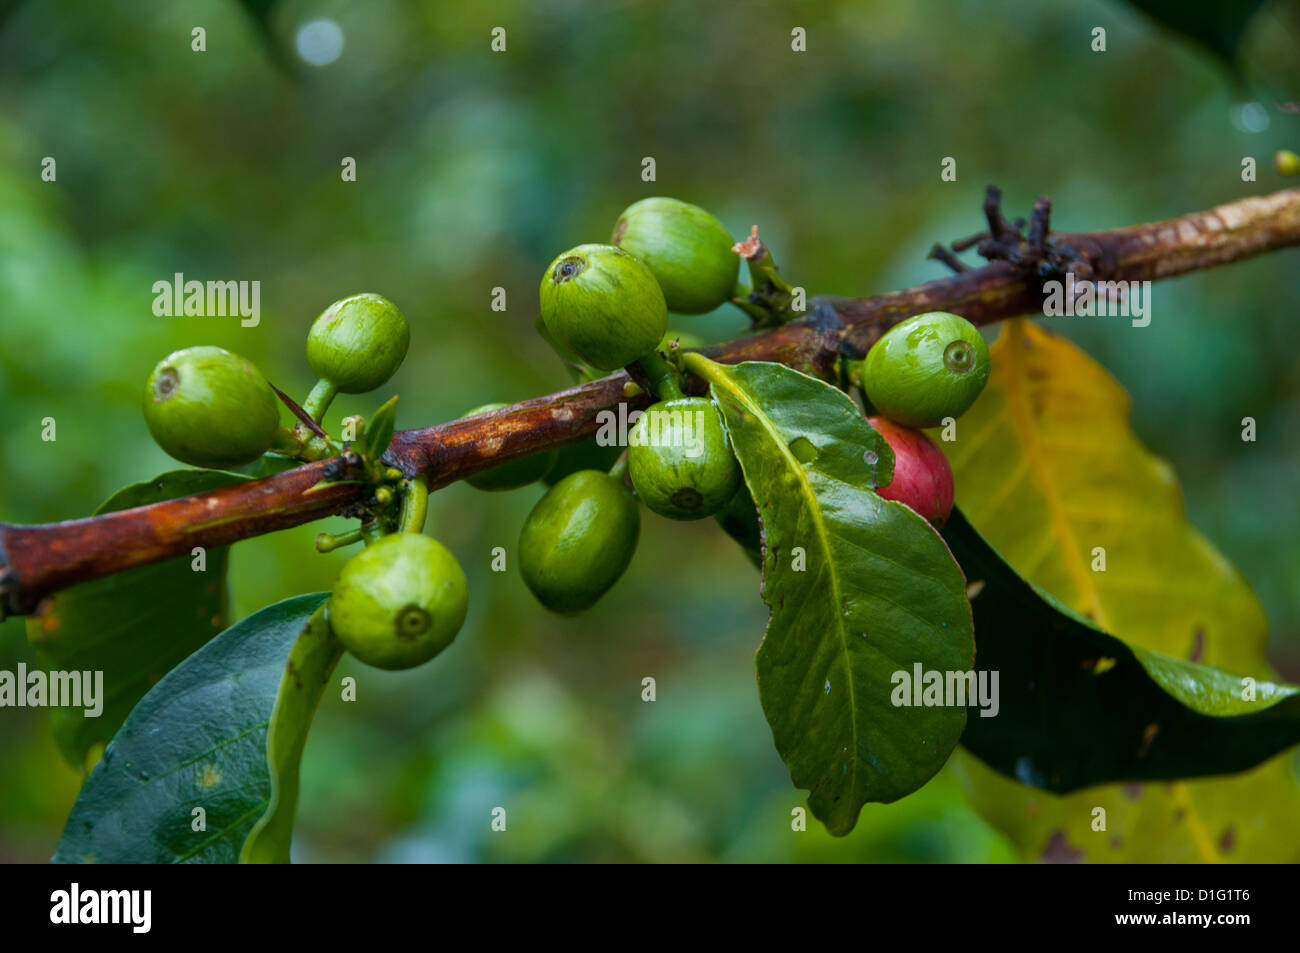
[515, 473]
[399, 602]
[358, 343]
[925, 369]
[578, 540]
[680, 461]
[210, 408]
[690, 252]
[922, 477]
[603, 305]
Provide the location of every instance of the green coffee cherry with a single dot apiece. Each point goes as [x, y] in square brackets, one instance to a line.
[927, 368]
[603, 305]
[399, 602]
[210, 408]
[578, 540]
[358, 343]
[689, 251]
[680, 460]
[515, 473]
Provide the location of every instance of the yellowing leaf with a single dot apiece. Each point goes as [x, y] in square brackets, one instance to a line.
[1050, 473]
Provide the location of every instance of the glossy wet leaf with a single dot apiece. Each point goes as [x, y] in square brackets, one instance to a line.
[1047, 469]
[312, 659]
[197, 740]
[859, 588]
[133, 626]
[1078, 707]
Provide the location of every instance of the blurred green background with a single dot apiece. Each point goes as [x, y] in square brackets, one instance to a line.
[474, 169]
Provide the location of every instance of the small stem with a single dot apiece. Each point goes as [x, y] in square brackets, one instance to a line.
[661, 375]
[769, 304]
[619, 470]
[286, 442]
[373, 531]
[415, 506]
[328, 542]
[317, 448]
[320, 398]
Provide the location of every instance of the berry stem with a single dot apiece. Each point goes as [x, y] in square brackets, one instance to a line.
[328, 542]
[375, 530]
[769, 304]
[415, 506]
[619, 470]
[320, 398]
[661, 375]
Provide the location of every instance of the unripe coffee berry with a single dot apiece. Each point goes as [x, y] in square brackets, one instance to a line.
[514, 473]
[689, 251]
[399, 602]
[922, 476]
[929, 367]
[603, 305]
[680, 460]
[358, 343]
[210, 408]
[578, 540]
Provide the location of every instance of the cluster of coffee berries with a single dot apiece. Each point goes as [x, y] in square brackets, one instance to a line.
[923, 372]
[607, 305]
[401, 600]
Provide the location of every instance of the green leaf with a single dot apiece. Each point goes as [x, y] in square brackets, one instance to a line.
[311, 661]
[379, 434]
[269, 464]
[133, 626]
[1048, 469]
[1079, 707]
[197, 740]
[1218, 26]
[878, 593]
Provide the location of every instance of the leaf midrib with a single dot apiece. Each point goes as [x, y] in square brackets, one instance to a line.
[823, 540]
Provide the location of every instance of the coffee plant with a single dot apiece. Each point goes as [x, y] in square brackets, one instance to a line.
[825, 444]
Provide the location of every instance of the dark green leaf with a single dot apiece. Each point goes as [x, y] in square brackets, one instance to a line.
[1218, 25]
[878, 593]
[1079, 707]
[197, 740]
[379, 434]
[311, 661]
[133, 626]
[269, 464]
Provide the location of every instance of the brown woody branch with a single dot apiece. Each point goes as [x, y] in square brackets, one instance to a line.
[36, 561]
